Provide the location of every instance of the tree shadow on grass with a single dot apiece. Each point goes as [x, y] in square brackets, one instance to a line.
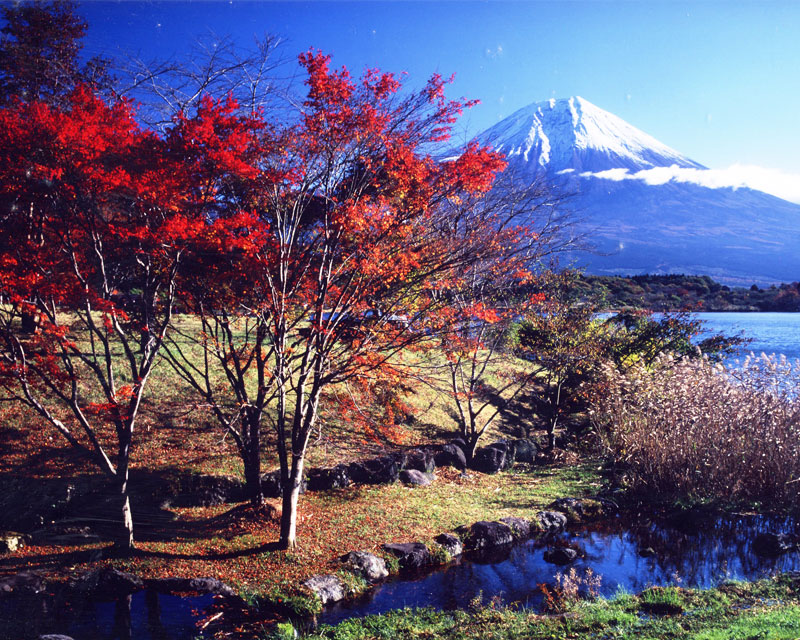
[221, 555]
[514, 418]
[73, 557]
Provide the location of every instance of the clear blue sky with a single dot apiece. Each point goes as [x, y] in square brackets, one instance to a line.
[718, 81]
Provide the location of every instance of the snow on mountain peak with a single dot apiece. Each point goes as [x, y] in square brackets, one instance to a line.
[573, 134]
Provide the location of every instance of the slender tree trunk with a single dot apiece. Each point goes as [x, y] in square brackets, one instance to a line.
[472, 444]
[252, 479]
[551, 427]
[123, 537]
[291, 494]
[252, 465]
[551, 434]
[29, 323]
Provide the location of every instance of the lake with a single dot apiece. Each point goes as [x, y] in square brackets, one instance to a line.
[770, 332]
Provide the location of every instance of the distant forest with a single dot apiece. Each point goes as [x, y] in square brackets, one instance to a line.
[679, 292]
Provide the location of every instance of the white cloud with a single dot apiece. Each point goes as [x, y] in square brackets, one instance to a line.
[774, 181]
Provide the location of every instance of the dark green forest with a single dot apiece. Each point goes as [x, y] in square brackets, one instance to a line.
[682, 292]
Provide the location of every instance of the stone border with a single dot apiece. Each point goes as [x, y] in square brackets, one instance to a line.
[479, 536]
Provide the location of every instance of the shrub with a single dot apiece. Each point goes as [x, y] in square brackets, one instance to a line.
[439, 555]
[689, 428]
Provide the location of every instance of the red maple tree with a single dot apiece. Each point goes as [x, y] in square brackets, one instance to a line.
[93, 227]
[330, 254]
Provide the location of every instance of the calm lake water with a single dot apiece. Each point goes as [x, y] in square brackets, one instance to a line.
[770, 332]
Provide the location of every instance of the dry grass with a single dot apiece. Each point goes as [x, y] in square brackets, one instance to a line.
[690, 429]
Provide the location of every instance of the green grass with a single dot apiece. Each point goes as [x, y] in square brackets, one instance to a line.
[768, 609]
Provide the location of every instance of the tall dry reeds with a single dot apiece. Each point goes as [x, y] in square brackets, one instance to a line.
[689, 428]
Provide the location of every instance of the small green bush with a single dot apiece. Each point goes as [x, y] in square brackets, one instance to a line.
[283, 631]
[439, 555]
[392, 563]
[353, 583]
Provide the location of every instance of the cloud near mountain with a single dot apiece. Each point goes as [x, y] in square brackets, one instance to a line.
[772, 181]
[646, 207]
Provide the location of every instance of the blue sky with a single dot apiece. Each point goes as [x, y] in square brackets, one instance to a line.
[718, 81]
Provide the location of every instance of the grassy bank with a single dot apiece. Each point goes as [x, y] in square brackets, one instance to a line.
[764, 609]
[234, 544]
[177, 435]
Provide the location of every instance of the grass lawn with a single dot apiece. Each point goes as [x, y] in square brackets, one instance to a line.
[768, 609]
[232, 543]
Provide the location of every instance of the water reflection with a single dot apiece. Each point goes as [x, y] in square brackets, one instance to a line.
[146, 615]
[627, 555]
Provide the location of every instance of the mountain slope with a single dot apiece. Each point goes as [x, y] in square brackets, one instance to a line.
[634, 209]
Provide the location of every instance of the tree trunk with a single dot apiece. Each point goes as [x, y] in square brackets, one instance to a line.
[551, 435]
[291, 494]
[123, 536]
[29, 323]
[551, 427]
[472, 444]
[252, 481]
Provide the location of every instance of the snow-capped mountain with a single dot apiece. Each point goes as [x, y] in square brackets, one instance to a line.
[574, 134]
[645, 206]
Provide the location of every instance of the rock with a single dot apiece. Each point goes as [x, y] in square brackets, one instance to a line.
[508, 449]
[271, 484]
[367, 565]
[773, 544]
[327, 588]
[107, 582]
[460, 443]
[208, 491]
[560, 555]
[520, 527]
[489, 460]
[24, 582]
[449, 455]
[551, 521]
[415, 478]
[410, 555]
[27, 504]
[451, 543]
[525, 450]
[486, 535]
[400, 457]
[10, 541]
[191, 585]
[420, 460]
[580, 510]
[383, 470]
[65, 535]
[325, 479]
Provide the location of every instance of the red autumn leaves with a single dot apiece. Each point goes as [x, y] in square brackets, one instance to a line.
[334, 229]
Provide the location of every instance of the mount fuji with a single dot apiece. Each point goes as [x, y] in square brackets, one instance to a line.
[645, 207]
